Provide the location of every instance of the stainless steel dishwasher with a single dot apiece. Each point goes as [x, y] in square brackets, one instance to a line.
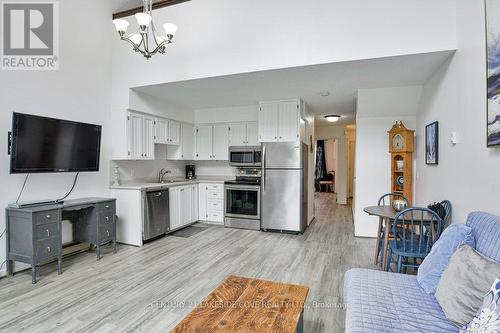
[156, 214]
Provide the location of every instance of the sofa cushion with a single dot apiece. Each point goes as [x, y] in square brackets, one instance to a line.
[486, 229]
[464, 283]
[436, 261]
[389, 302]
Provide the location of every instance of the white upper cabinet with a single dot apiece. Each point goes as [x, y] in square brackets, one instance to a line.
[238, 134]
[279, 121]
[204, 142]
[161, 131]
[288, 121]
[140, 136]
[268, 122]
[244, 134]
[253, 134]
[220, 147]
[174, 129]
[185, 149]
[134, 134]
[212, 142]
[148, 124]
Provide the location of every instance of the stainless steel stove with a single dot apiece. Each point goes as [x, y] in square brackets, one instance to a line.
[242, 200]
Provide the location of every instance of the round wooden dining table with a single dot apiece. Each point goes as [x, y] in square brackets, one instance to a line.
[386, 215]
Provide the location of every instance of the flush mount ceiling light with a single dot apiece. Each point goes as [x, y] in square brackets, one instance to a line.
[147, 41]
[332, 118]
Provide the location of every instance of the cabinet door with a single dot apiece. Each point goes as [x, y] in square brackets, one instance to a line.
[268, 122]
[185, 205]
[175, 207]
[204, 143]
[221, 143]
[161, 130]
[187, 142]
[252, 134]
[194, 203]
[202, 202]
[288, 121]
[174, 129]
[238, 134]
[148, 135]
[135, 135]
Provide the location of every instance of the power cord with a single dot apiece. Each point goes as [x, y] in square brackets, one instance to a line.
[71, 190]
[22, 189]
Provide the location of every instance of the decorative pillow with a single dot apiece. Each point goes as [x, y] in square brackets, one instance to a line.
[487, 319]
[436, 261]
[464, 282]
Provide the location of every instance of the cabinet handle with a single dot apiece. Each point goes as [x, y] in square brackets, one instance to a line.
[107, 218]
[107, 206]
[280, 137]
[107, 232]
[48, 232]
[275, 137]
[48, 216]
[49, 249]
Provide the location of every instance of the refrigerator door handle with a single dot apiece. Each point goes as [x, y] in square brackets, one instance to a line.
[263, 167]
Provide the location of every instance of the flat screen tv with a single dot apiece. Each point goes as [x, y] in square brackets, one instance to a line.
[41, 144]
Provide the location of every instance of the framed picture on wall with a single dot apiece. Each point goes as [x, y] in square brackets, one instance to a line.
[493, 70]
[432, 143]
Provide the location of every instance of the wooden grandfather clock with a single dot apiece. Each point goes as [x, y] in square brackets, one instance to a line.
[401, 149]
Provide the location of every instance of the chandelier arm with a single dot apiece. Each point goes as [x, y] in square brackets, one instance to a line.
[136, 47]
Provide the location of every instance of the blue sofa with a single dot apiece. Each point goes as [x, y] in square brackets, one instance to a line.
[389, 302]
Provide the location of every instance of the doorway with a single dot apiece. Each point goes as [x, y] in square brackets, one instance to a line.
[351, 159]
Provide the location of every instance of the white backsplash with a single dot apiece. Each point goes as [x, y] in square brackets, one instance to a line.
[214, 168]
[146, 171]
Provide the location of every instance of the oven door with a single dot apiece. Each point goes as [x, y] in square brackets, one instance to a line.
[241, 157]
[242, 201]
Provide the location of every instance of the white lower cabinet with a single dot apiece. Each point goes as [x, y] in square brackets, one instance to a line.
[183, 206]
[211, 202]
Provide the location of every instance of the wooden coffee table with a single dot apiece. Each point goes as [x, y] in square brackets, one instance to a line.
[242, 304]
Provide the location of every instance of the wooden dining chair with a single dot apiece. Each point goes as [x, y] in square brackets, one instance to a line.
[415, 230]
[448, 209]
[385, 200]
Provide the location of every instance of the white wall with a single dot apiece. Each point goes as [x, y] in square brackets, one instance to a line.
[222, 37]
[79, 91]
[377, 111]
[337, 132]
[146, 103]
[228, 114]
[455, 96]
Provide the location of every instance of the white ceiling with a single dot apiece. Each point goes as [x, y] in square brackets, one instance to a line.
[342, 80]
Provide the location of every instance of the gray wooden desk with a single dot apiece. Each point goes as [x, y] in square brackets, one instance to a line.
[34, 232]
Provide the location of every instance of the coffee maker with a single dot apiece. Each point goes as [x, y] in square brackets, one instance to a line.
[190, 172]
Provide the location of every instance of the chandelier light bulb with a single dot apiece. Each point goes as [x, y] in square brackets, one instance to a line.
[143, 20]
[170, 29]
[121, 26]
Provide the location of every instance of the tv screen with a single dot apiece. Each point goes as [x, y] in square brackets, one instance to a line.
[41, 144]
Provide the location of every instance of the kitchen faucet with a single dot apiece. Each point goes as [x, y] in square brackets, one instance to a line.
[162, 174]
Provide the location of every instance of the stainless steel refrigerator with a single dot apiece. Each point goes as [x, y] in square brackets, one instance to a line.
[284, 186]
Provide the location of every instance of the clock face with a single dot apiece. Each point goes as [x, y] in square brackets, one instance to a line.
[397, 142]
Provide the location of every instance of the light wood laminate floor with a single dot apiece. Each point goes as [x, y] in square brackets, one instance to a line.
[152, 288]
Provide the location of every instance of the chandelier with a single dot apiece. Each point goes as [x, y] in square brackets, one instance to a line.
[147, 40]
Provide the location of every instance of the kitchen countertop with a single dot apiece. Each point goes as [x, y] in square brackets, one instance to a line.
[142, 185]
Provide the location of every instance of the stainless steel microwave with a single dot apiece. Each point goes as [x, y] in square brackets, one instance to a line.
[246, 156]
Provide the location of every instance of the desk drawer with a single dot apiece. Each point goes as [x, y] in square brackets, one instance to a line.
[106, 207]
[215, 216]
[49, 216]
[215, 187]
[106, 233]
[47, 248]
[45, 231]
[106, 218]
